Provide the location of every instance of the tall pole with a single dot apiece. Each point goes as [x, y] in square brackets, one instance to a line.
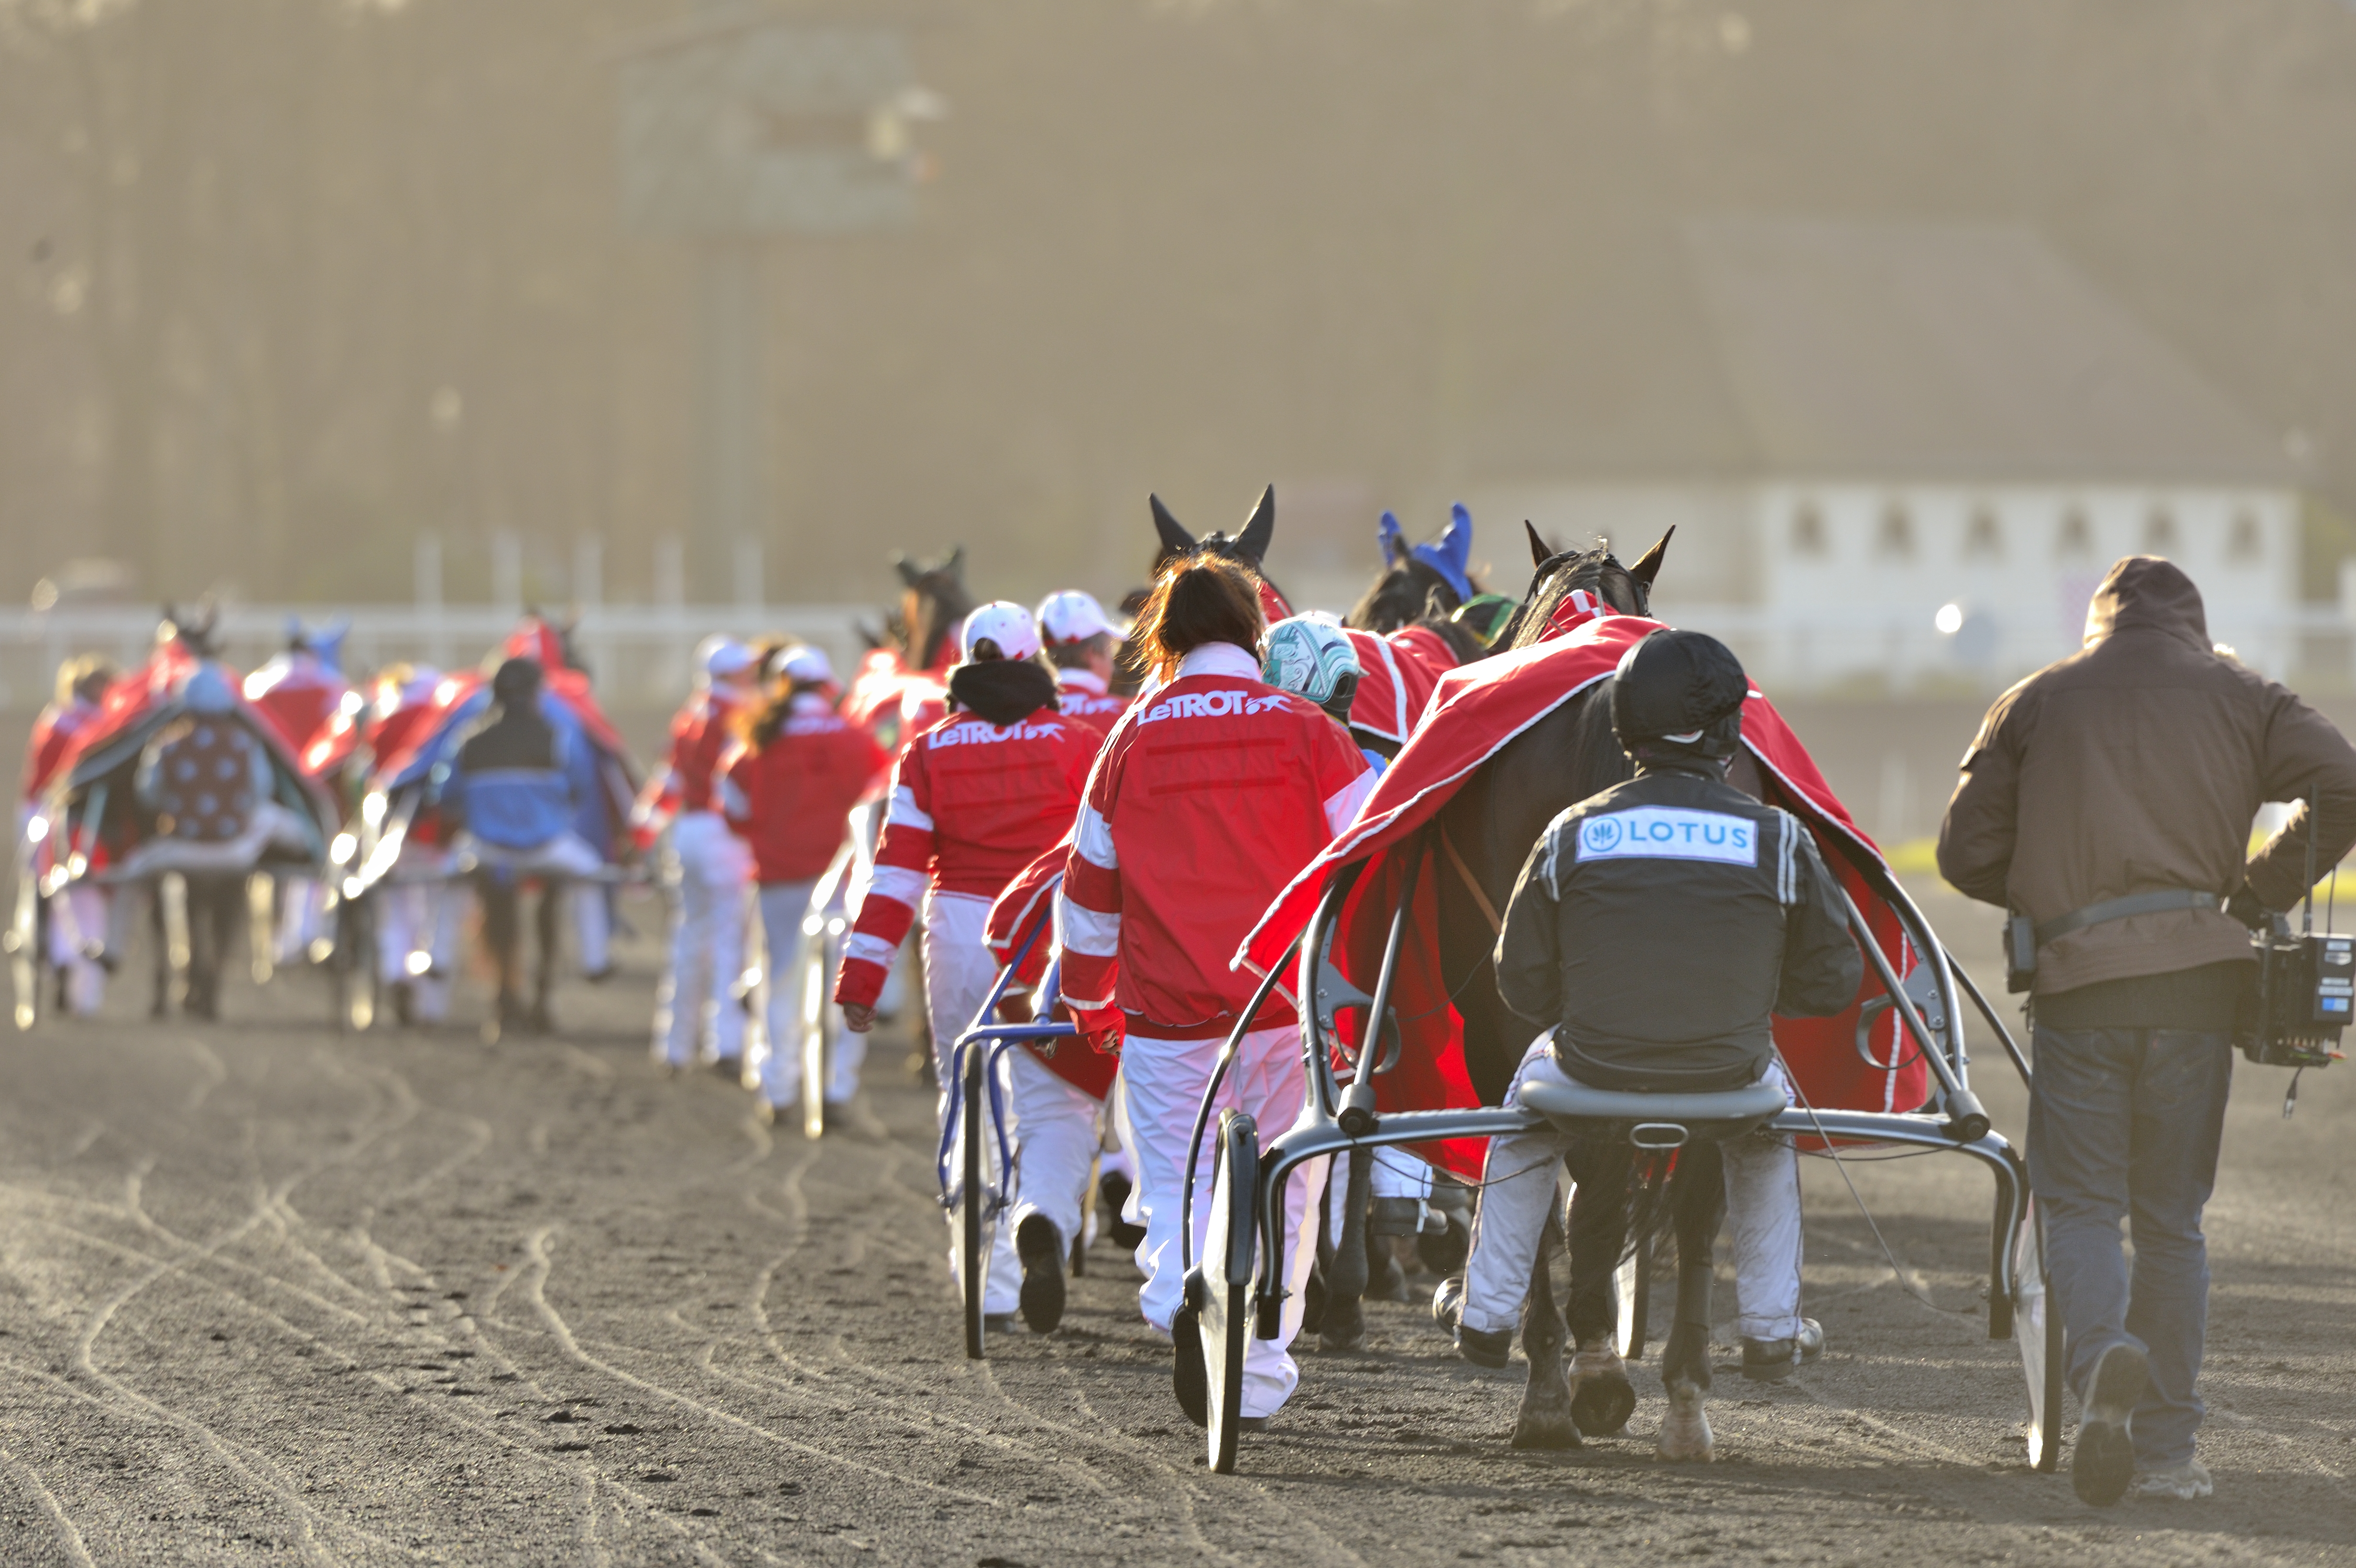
[731, 493]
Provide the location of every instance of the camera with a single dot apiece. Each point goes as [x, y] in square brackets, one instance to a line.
[2305, 988]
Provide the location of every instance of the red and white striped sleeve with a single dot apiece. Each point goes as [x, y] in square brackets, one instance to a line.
[1087, 910]
[904, 863]
[1343, 779]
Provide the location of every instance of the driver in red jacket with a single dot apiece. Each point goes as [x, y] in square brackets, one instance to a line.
[1212, 793]
[975, 799]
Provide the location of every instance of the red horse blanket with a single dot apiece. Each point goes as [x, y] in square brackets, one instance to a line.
[1476, 710]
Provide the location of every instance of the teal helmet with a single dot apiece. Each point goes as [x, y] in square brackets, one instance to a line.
[1310, 656]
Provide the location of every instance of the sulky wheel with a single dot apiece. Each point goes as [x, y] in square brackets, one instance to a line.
[817, 1029]
[1224, 1308]
[974, 1231]
[24, 942]
[2037, 1328]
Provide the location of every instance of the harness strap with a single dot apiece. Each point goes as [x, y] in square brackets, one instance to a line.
[1473, 885]
[2048, 931]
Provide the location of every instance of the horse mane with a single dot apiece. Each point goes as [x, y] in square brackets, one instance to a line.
[942, 604]
[1596, 570]
[1405, 596]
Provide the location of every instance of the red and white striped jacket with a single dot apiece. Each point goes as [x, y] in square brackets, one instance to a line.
[972, 804]
[1211, 795]
[700, 734]
[1081, 694]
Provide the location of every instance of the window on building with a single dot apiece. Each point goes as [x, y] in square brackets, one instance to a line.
[2160, 531]
[1896, 537]
[2076, 538]
[1983, 540]
[2244, 543]
[1808, 531]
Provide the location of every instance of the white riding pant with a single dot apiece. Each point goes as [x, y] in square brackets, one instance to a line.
[959, 973]
[784, 906]
[1056, 1144]
[78, 923]
[1162, 1084]
[1396, 1174]
[301, 904]
[696, 1003]
[593, 926]
[423, 916]
[1762, 1189]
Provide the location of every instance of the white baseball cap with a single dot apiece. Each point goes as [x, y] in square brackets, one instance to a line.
[807, 665]
[1002, 621]
[1073, 616]
[725, 656]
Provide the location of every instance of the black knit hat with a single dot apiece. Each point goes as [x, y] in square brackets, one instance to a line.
[1675, 685]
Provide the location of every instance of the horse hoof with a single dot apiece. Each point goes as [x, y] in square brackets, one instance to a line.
[1344, 1326]
[1602, 1400]
[1685, 1430]
[1545, 1422]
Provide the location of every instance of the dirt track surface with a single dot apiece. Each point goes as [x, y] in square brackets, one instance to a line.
[274, 1294]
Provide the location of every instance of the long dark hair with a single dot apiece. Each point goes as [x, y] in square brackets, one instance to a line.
[1204, 597]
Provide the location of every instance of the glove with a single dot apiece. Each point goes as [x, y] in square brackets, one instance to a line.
[2244, 907]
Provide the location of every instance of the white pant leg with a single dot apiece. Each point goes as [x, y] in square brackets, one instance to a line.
[782, 905]
[593, 926]
[1162, 1084]
[1267, 1082]
[446, 904]
[959, 973]
[78, 922]
[707, 943]
[301, 902]
[1055, 1132]
[1762, 1214]
[1518, 1189]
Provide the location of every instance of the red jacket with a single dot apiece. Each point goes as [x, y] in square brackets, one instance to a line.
[972, 804]
[52, 732]
[1081, 695]
[699, 735]
[791, 799]
[1211, 795]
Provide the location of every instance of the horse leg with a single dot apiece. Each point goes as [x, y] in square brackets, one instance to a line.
[500, 919]
[1344, 1324]
[1601, 1398]
[1697, 1198]
[543, 979]
[1545, 1419]
[161, 1002]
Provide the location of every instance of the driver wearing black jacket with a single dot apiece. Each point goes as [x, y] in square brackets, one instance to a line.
[1655, 929]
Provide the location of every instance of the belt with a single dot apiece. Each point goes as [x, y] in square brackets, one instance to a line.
[2051, 931]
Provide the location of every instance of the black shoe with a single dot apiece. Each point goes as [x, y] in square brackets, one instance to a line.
[1041, 1247]
[1772, 1360]
[404, 1004]
[1113, 1189]
[599, 976]
[999, 1322]
[2104, 1463]
[1251, 1422]
[1484, 1349]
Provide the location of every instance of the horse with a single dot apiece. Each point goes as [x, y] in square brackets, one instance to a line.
[900, 686]
[1423, 585]
[1492, 822]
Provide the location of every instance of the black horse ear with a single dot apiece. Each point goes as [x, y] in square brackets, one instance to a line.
[1176, 540]
[1648, 565]
[1540, 554]
[954, 565]
[910, 573]
[1260, 530]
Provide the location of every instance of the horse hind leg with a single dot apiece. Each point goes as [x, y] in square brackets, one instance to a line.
[1601, 1398]
[1545, 1419]
[1343, 1325]
[1698, 1196]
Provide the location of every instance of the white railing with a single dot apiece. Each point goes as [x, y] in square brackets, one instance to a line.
[637, 653]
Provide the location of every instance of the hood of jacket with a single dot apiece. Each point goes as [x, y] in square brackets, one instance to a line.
[2147, 590]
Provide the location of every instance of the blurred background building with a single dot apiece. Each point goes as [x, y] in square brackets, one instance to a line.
[1909, 316]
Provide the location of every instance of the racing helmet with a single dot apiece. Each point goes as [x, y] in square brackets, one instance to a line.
[1006, 626]
[1072, 616]
[1311, 655]
[1680, 693]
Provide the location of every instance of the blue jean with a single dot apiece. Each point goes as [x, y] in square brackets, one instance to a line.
[2125, 1125]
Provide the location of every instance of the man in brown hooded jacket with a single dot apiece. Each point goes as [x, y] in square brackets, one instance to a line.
[2108, 799]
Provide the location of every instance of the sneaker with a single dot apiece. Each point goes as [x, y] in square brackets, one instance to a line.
[2181, 1482]
[1772, 1360]
[1484, 1349]
[1041, 1247]
[2104, 1463]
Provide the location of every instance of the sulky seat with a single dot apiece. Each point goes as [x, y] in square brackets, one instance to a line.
[1657, 1121]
